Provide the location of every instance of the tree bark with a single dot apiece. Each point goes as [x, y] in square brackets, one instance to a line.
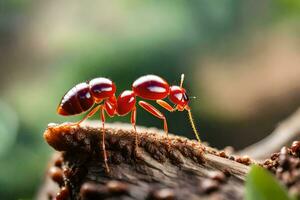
[161, 168]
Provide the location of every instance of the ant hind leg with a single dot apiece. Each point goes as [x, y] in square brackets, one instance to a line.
[90, 113]
[102, 115]
[133, 122]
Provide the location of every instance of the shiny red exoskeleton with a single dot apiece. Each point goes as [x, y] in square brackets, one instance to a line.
[99, 94]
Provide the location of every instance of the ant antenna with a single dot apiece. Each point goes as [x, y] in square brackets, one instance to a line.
[182, 79]
[190, 114]
[193, 125]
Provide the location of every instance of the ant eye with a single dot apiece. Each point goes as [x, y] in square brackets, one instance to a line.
[185, 97]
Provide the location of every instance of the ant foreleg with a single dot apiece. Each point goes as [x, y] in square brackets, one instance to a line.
[166, 105]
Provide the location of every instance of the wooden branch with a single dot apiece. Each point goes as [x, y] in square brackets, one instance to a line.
[287, 131]
[181, 169]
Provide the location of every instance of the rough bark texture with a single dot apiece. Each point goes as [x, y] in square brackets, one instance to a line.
[162, 168]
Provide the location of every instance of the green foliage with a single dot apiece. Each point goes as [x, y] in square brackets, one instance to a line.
[8, 128]
[288, 7]
[261, 185]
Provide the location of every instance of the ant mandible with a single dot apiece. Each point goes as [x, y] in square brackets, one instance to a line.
[99, 93]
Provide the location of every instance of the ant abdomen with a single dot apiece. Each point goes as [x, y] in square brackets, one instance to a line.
[84, 95]
[77, 100]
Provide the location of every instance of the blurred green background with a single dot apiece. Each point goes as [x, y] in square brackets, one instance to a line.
[241, 60]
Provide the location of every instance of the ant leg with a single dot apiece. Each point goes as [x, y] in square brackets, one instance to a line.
[133, 122]
[151, 109]
[165, 105]
[91, 113]
[103, 137]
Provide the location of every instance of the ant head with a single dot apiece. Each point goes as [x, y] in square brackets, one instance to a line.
[178, 96]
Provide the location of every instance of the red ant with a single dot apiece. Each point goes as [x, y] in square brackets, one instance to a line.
[101, 93]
